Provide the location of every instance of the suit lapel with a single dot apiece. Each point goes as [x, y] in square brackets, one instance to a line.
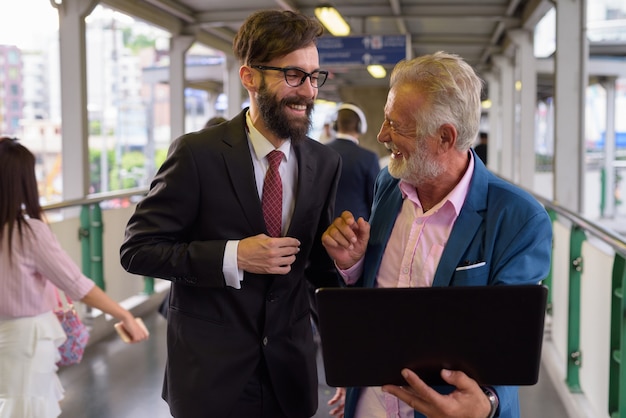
[384, 213]
[465, 227]
[307, 169]
[238, 162]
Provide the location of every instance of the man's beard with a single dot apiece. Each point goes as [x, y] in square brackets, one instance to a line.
[417, 169]
[277, 120]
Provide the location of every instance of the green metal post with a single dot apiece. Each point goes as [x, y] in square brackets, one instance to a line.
[83, 236]
[617, 368]
[573, 323]
[97, 269]
[148, 285]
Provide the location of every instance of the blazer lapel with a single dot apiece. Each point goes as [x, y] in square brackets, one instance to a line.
[384, 213]
[465, 227]
[307, 169]
[238, 162]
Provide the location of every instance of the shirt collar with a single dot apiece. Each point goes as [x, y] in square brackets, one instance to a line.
[260, 144]
[456, 197]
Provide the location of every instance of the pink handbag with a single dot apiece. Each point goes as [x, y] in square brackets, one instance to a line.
[73, 348]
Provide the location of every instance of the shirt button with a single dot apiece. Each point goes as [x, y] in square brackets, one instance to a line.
[405, 270]
[265, 341]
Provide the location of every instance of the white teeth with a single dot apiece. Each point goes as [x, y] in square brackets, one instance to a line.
[298, 107]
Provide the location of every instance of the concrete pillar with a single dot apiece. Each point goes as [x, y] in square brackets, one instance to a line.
[73, 62]
[495, 122]
[507, 84]
[569, 99]
[179, 44]
[232, 87]
[527, 96]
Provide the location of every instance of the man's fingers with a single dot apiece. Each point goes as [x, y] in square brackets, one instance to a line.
[417, 394]
[342, 234]
[458, 379]
[415, 382]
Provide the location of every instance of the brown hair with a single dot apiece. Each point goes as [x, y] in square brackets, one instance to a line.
[19, 196]
[269, 34]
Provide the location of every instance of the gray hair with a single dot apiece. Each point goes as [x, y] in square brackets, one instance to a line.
[453, 92]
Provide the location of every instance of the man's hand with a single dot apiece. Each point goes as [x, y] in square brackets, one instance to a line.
[467, 400]
[340, 401]
[262, 254]
[346, 239]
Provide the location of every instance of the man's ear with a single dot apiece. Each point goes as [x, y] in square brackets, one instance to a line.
[246, 74]
[448, 136]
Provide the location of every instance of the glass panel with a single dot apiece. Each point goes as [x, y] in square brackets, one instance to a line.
[30, 86]
[121, 130]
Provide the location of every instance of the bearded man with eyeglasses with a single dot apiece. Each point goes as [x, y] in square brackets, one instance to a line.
[240, 342]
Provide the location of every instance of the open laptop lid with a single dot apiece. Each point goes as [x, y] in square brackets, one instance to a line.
[492, 333]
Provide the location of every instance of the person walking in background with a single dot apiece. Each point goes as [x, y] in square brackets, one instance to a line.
[215, 120]
[359, 166]
[234, 218]
[32, 266]
[439, 218]
[481, 147]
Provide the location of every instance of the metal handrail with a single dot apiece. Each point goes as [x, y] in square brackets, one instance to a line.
[610, 237]
[96, 198]
[90, 230]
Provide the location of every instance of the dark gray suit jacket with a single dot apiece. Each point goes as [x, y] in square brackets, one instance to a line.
[203, 195]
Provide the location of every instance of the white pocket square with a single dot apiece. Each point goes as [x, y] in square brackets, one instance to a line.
[471, 266]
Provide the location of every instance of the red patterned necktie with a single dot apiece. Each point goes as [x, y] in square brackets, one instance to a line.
[273, 195]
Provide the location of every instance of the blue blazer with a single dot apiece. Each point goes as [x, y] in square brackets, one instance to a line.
[499, 224]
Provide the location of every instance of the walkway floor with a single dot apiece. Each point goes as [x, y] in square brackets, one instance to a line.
[117, 380]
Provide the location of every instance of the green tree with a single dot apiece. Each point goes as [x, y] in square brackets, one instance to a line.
[132, 169]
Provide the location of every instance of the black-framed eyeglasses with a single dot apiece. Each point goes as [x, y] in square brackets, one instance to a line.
[295, 77]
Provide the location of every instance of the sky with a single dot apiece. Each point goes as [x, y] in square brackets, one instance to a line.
[27, 23]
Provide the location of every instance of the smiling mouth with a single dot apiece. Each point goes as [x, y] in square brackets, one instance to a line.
[300, 108]
[393, 151]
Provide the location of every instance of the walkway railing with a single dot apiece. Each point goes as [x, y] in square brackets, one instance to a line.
[90, 231]
[587, 310]
[581, 269]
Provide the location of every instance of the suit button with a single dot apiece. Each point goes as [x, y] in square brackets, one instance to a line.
[265, 341]
[271, 297]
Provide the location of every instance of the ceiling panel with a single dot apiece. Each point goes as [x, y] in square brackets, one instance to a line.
[474, 29]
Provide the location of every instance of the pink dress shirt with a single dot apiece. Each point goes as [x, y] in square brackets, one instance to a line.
[410, 260]
[38, 262]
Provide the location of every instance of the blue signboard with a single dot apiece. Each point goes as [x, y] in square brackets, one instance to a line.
[362, 50]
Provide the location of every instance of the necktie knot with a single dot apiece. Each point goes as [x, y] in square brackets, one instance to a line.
[274, 158]
[273, 195]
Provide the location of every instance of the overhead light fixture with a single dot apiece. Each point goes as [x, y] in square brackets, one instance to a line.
[376, 71]
[332, 20]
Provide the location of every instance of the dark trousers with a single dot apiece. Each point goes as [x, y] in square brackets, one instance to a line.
[258, 399]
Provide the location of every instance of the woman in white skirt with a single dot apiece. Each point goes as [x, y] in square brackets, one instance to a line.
[32, 263]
